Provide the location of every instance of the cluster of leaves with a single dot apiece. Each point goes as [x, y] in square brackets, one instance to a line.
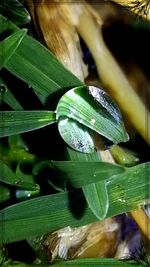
[79, 179]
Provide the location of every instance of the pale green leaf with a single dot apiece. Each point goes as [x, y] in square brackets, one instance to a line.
[76, 135]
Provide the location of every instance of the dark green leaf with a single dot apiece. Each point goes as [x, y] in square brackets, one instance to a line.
[46, 75]
[4, 193]
[78, 173]
[9, 45]
[15, 122]
[14, 11]
[7, 176]
[40, 215]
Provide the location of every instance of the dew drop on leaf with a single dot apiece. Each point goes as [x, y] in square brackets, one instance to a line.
[106, 102]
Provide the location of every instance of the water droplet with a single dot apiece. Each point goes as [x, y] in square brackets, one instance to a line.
[106, 102]
[3, 90]
[92, 121]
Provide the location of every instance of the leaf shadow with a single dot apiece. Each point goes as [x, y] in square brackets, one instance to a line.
[77, 203]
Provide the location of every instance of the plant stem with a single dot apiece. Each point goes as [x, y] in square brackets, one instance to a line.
[142, 221]
[111, 75]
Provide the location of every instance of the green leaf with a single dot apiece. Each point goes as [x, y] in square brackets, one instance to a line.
[14, 11]
[97, 198]
[17, 142]
[78, 173]
[8, 97]
[98, 262]
[9, 45]
[47, 76]
[40, 215]
[15, 122]
[76, 135]
[7, 176]
[79, 105]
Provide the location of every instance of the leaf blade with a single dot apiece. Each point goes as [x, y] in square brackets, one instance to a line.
[11, 121]
[9, 45]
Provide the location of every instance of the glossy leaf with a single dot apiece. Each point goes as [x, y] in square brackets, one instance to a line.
[15, 122]
[7, 176]
[9, 45]
[47, 76]
[97, 198]
[77, 104]
[76, 135]
[8, 97]
[14, 11]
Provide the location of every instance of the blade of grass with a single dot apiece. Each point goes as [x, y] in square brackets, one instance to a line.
[7, 176]
[8, 97]
[98, 262]
[15, 122]
[14, 11]
[46, 75]
[9, 45]
[78, 173]
[40, 215]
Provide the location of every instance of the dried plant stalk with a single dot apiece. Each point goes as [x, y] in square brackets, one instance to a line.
[113, 78]
[59, 35]
[139, 7]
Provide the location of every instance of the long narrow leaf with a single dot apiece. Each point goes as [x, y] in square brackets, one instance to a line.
[49, 213]
[9, 45]
[46, 75]
[8, 97]
[7, 176]
[15, 122]
[14, 11]
[78, 173]
[98, 262]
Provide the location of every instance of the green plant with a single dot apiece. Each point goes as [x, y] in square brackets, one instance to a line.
[101, 189]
